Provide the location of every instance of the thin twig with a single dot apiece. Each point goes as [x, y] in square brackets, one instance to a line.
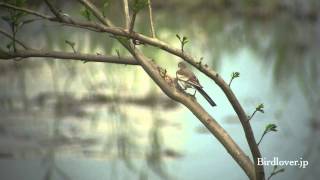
[126, 13]
[230, 82]
[68, 55]
[274, 172]
[54, 10]
[9, 36]
[151, 19]
[132, 21]
[264, 133]
[250, 117]
[96, 12]
[29, 11]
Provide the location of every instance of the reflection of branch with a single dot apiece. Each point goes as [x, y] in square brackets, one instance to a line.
[70, 56]
[9, 36]
[150, 101]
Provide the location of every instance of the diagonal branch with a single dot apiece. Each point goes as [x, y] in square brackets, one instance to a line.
[132, 21]
[96, 12]
[68, 55]
[174, 93]
[54, 10]
[9, 36]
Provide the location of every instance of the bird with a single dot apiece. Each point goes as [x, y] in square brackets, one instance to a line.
[187, 79]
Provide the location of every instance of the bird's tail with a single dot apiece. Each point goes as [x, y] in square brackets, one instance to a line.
[206, 96]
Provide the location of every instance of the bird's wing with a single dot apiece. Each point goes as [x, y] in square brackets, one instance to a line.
[188, 77]
[194, 81]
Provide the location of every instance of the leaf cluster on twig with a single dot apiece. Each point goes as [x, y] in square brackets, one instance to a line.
[233, 76]
[259, 108]
[269, 128]
[183, 41]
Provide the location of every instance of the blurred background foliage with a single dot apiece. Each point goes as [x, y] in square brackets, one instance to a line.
[63, 111]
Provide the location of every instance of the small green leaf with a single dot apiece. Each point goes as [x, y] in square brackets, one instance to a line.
[86, 14]
[118, 53]
[70, 43]
[260, 108]
[271, 127]
[235, 75]
[138, 5]
[9, 45]
[177, 35]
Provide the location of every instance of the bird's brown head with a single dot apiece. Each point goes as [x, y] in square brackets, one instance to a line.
[182, 65]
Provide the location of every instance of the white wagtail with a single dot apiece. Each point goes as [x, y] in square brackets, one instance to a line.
[187, 79]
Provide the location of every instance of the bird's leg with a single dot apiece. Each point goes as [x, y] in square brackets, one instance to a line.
[185, 88]
[194, 94]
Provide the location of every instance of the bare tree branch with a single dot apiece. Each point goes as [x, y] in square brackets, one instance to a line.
[9, 36]
[96, 12]
[54, 10]
[68, 55]
[126, 13]
[132, 21]
[29, 11]
[174, 93]
[151, 19]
